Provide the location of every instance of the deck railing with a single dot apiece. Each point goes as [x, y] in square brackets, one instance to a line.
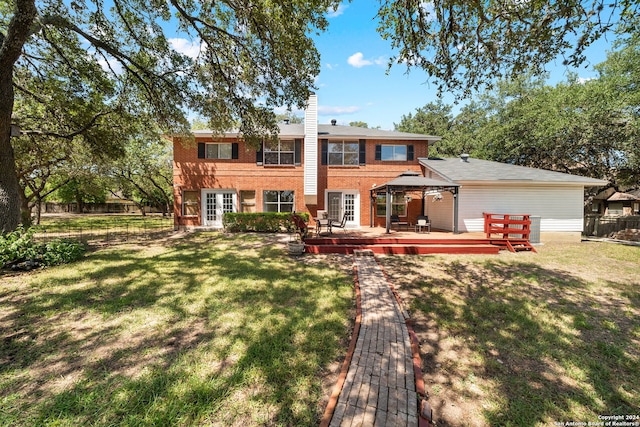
[507, 226]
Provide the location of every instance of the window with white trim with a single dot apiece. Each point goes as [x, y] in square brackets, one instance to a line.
[189, 203]
[278, 201]
[344, 153]
[394, 153]
[218, 151]
[279, 153]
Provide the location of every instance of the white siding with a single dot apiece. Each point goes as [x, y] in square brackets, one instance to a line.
[441, 212]
[311, 147]
[560, 207]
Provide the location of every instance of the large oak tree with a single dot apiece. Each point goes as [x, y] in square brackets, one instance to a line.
[468, 44]
[249, 57]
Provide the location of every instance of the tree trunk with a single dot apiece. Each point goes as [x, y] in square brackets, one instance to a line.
[25, 210]
[11, 44]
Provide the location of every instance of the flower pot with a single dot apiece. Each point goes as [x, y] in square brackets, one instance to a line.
[296, 248]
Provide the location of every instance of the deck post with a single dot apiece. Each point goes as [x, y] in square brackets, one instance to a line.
[455, 211]
[388, 209]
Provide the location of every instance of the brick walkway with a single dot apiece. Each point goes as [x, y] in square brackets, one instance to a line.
[379, 389]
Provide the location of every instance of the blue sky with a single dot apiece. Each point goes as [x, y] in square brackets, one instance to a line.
[354, 85]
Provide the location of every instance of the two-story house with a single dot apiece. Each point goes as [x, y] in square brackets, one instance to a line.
[349, 171]
[312, 167]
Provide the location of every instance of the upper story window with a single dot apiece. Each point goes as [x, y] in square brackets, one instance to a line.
[344, 153]
[279, 153]
[394, 153]
[218, 150]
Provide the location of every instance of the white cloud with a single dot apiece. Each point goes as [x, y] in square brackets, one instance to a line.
[331, 13]
[583, 80]
[110, 65]
[338, 110]
[189, 48]
[357, 60]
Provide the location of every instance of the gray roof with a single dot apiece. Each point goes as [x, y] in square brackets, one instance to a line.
[296, 130]
[458, 170]
[410, 179]
[622, 197]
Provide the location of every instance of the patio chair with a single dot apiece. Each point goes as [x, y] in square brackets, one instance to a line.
[423, 222]
[395, 221]
[342, 224]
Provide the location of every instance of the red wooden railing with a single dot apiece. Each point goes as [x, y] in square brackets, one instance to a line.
[515, 229]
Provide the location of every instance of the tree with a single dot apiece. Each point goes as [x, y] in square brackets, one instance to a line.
[145, 173]
[432, 119]
[250, 58]
[359, 124]
[465, 45]
[291, 117]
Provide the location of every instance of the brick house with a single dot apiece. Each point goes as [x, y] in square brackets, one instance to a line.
[346, 170]
[312, 167]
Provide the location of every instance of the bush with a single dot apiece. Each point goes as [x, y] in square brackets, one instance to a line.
[20, 246]
[264, 222]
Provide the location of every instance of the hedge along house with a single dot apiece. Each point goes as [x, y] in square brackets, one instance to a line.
[312, 167]
[492, 187]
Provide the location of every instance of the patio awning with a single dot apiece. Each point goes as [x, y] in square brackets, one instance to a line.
[413, 181]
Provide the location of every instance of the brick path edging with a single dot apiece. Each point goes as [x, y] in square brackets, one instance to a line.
[425, 416]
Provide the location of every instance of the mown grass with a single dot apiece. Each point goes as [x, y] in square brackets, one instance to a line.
[95, 223]
[527, 339]
[204, 330]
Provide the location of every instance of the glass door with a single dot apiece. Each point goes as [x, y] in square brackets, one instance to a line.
[340, 203]
[215, 204]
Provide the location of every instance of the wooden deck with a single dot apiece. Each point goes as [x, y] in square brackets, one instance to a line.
[409, 242]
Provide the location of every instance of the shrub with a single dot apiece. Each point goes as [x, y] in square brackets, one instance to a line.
[265, 222]
[20, 246]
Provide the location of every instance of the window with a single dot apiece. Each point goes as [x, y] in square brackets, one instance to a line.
[398, 205]
[394, 153]
[278, 201]
[190, 203]
[218, 151]
[344, 153]
[248, 201]
[279, 153]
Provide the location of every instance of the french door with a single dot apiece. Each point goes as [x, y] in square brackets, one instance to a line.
[340, 203]
[215, 203]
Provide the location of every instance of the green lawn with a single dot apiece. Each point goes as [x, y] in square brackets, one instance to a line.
[103, 228]
[527, 339]
[211, 329]
[206, 329]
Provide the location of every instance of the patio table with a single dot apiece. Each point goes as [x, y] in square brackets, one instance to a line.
[322, 223]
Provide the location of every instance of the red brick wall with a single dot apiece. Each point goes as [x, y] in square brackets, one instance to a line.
[191, 173]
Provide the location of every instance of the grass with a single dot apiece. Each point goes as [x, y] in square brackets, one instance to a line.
[204, 330]
[61, 224]
[527, 339]
[106, 227]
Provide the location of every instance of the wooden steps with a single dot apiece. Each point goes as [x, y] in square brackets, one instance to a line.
[394, 246]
